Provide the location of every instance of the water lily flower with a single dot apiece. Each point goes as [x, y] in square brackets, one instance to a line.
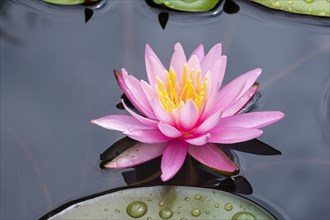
[185, 110]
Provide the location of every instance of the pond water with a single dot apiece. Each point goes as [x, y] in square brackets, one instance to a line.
[57, 75]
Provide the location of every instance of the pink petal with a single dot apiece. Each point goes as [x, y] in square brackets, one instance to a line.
[241, 102]
[210, 104]
[230, 135]
[146, 121]
[149, 136]
[138, 95]
[169, 130]
[138, 154]
[176, 113]
[211, 57]
[173, 158]
[122, 83]
[199, 52]
[150, 53]
[161, 114]
[252, 119]
[218, 72]
[193, 63]
[209, 123]
[188, 116]
[212, 156]
[148, 90]
[233, 91]
[201, 140]
[119, 122]
[178, 60]
[154, 69]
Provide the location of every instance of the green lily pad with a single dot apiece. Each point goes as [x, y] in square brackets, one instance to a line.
[166, 202]
[189, 5]
[65, 2]
[308, 7]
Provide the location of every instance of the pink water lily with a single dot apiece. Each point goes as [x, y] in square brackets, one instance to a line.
[183, 110]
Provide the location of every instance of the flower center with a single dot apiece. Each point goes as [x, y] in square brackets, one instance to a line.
[174, 94]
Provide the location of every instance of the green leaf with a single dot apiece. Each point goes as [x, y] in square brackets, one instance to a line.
[308, 7]
[189, 5]
[166, 202]
[65, 2]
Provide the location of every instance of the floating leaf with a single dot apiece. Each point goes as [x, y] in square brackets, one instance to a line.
[165, 202]
[309, 7]
[189, 5]
[65, 2]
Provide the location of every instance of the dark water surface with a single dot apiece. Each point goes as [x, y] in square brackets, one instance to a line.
[56, 75]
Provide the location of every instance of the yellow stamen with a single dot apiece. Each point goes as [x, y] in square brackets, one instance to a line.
[173, 94]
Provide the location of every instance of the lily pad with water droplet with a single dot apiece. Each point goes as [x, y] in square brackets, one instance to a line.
[189, 5]
[165, 202]
[308, 7]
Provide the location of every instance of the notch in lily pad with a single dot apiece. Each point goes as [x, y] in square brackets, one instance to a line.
[188, 5]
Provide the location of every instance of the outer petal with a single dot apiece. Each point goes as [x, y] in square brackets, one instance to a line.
[178, 60]
[212, 156]
[241, 102]
[120, 123]
[155, 65]
[201, 140]
[218, 72]
[199, 52]
[146, 121]
[154, 69]
[138, 94]
[211, 57]
[236, 88]
[121, 81]
[209, 123]
[252, 119]
[230, 135]
[188, 116]
[173, 158]
[149, 136]
[148, 90]
[150, 53]
[138, 154]
[169, 130]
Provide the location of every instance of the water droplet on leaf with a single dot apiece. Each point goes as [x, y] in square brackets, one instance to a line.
[137, 209]
[195, 212]
[165, 213]
[228, 206]
[243, 216]
[198, 196]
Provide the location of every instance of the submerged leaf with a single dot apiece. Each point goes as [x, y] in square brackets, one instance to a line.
[164, 202]
[308, 7]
